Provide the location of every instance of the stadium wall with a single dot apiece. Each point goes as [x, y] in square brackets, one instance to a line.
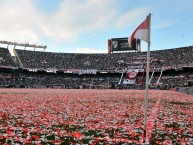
[187, 90]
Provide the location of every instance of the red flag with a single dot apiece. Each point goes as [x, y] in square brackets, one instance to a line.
[141, 32]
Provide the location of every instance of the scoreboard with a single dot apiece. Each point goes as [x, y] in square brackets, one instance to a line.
[121, 44]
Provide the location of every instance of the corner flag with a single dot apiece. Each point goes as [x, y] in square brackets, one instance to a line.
[141, 32]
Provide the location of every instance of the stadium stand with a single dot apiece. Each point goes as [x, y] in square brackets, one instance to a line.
[179, 57]
[6, 59]
[72, 70]
[7, 66]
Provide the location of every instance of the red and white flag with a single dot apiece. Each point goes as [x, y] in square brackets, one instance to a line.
[142, 32]
[131, 76]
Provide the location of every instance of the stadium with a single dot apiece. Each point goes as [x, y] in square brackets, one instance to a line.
[124, 97]
[91, 87]
[40, 69]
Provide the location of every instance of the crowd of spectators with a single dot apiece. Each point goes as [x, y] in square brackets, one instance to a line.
[98, 81]
[5, 79]
[172, 58]
[6, 60]
[69, 81]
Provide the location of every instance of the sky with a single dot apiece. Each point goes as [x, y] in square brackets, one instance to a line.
[84, 26]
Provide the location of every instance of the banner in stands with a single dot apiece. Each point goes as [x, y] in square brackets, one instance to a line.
[81, 71]
[8, 67]
[131, 76]
[74, 71]
[88, 71]
[51, 70]
[121, 44]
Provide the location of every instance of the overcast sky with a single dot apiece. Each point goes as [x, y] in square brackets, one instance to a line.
[84, 26]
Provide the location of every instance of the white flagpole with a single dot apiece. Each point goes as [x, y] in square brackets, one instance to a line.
[147, 78]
